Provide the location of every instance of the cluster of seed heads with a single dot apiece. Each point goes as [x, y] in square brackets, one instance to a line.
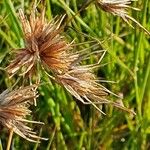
[46, 48]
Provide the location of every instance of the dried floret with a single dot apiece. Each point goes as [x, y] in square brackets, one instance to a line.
[81, 82]
[14, 110]
[119, 8]
[44, 45]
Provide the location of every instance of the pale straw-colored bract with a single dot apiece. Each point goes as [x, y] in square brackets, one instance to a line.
[14, 110]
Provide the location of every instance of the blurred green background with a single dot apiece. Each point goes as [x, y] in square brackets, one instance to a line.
[70, 124]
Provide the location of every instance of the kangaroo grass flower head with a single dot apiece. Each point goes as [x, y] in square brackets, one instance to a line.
[116, 7]
[14, 109]
[83, 85]
[119, 8]
[44, 45]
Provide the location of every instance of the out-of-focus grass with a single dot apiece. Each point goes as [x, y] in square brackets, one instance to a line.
[70, 124]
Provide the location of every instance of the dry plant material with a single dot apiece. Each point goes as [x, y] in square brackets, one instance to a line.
[44, 45]
[81, 82]
[116, 7]
[119, 8]
[14, 109]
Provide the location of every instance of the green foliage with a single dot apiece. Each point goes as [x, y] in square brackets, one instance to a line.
[70, 124]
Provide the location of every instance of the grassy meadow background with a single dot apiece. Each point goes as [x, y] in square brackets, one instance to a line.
[69, 124]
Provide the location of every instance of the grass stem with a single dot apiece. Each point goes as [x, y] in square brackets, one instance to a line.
[10, 139]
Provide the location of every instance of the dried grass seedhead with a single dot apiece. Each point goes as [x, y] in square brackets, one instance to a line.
[83, 85]
[14, 109]
[116, 7]
[44, 44]
[120, 8]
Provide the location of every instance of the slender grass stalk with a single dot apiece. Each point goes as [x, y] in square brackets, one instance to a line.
[81, 140]
[15, 21]
[7, 38]
[10, 139]
[136, 65]
[49, 11]
[51, 139]
[78, 18]
[1, 147]
[145, 81]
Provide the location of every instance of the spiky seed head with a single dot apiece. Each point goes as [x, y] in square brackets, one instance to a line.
[83, 85]
[116, 7]
[44, 44]
[14, 109]
[119, 8]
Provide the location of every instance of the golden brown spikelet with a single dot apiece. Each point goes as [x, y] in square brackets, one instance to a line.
[116, 7]
[14, 109]
[119, 8]
[83, 85]
[44, 45]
